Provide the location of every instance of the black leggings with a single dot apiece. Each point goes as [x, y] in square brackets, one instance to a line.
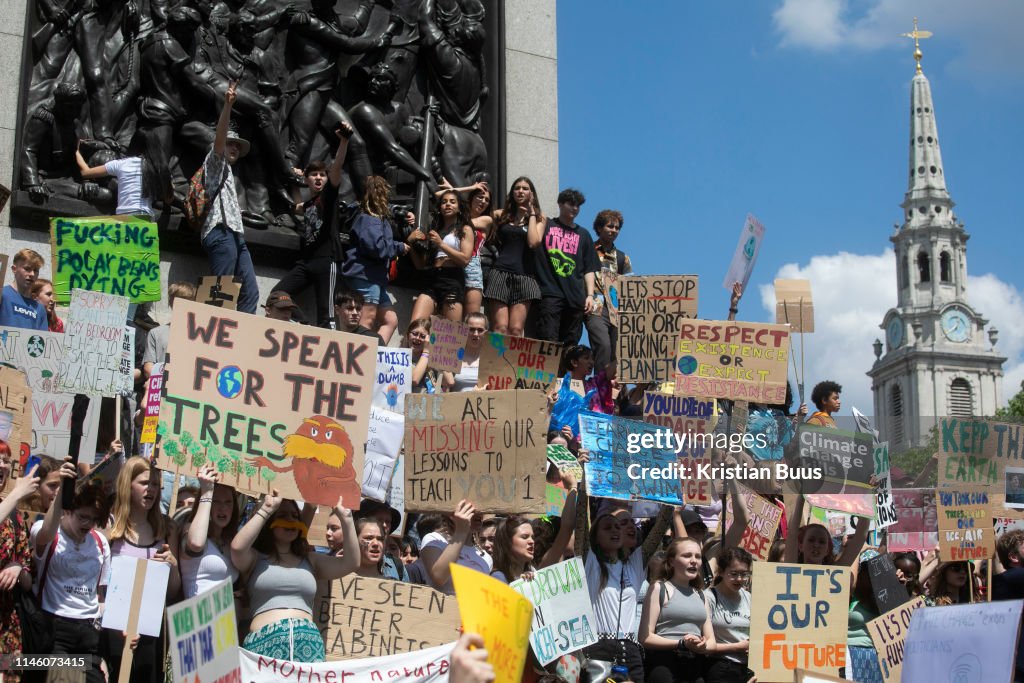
[322, 273]
[671, 666]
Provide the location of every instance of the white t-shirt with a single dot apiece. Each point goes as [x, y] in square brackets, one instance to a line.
[74, 572]
[200, 574]
[128, 172]
[614, 605]
[469, 556]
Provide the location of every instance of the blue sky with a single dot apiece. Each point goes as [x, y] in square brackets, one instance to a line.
[689, 115]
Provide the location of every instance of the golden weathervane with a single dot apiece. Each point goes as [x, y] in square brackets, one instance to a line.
[918, 36]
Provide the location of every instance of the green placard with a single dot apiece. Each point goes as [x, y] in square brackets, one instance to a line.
[110, 254]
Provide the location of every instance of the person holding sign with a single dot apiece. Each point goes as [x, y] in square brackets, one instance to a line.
[729, 604]
[447, 545]
[863, 660]
[812, 543]
[424, 378]
[441, 275]
[75, 559]
[15, 553]
[42, 291]
[468, 377]
[206, 556]
[950, 584]
[141, 531]
[675, 628]
[510, 288]
[17, 306]
[281, 574]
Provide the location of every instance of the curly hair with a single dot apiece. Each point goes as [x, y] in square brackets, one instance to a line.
[822, 390]
[376, 198]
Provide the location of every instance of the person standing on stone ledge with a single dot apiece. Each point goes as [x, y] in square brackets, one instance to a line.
[603, 335]
[142, 176]
[223, 235]
[566, 264]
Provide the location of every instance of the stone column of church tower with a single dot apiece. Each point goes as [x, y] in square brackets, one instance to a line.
[938, 360]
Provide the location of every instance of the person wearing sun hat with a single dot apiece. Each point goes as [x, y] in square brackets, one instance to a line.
[280, 306]
[223, 235]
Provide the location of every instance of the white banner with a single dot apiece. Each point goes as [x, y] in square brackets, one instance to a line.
[383, 443]
[563, 615]
[394, 378]
[421, 666]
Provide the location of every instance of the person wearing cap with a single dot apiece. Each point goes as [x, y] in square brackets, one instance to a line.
[280, 306]
[223, 235]
[389, 519]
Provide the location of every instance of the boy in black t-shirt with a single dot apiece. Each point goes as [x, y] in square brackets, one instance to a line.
[566, 264]
[320, 244]
[348, 309]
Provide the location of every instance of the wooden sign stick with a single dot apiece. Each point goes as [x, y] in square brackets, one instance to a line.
[800, 380]
[988, 581]
[128, 654]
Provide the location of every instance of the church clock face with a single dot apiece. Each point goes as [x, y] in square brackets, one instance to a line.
[894, 333]
[956, 325]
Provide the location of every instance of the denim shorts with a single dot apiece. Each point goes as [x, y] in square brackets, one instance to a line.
[474, 274]
[372, 293]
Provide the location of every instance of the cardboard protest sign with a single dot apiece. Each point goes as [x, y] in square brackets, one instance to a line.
[793, 305]
[650, 309]
[125, 595]
[804, 676]
[38, 355]
[1013, 487]
[383, 443]
[127, 367]
[422, 666]
[611, 297]
[973, 451]
[219, 290]
[15, 411]
[684, 415]
[487, 446]
[626, 462]
[887, 635]
[151, 413]
[1002, 524]
[203, 643]
[974, 642]
[965, 524]
[745, 256]
[508, 362]
[888, 591]
[271, 404]
[798, 619]
[563, 616]
[562, 458]
[118, 255]
[917, 526]
[447, 344]
[500, 615]
[733, 360]
[852, 503]
[364, 617]
[394, 378]
[93, 341]
[846, 461]
[763, 521]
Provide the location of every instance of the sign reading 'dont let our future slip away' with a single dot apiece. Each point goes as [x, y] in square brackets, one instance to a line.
[508, 362]
[110, 254]
[485, 446]
[650, 309]
[271, 404]
[733, 360]
[798, 619]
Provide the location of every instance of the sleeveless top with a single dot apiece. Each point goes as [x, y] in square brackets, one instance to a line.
[199, 574]
[274, 587]
[683, 613]
[512, 248]
[123, 546]
[452, 240]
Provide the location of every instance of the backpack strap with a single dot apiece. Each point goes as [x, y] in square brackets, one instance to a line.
[99, 549]
[620, 261]
[46, 564]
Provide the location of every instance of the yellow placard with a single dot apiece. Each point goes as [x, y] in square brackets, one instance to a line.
[500, 615]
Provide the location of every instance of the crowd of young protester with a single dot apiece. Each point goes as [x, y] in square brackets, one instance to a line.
[672, 601]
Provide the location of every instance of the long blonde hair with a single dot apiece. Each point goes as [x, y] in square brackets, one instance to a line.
[123, 502]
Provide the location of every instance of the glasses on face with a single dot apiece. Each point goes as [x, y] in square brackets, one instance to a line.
[85, 520]
[477, 330]
[738, 575]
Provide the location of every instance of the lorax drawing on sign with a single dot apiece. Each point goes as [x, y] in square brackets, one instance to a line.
[319, 456]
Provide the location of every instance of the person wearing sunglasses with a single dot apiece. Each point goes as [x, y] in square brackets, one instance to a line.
[468, 377]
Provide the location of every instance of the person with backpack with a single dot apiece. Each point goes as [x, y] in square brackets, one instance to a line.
[319, 238]
[212, 202]
[602, 333]
[72, 559]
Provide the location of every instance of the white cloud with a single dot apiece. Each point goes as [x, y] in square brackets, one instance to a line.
[852, 292]
[985, 34]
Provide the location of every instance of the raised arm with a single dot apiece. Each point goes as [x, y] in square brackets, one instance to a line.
[331, 567]
[792, 537]
[195, 537]
[734, 300]
[561, 542]
[344, 133]
[438, 562]
[653, 540]
[87, 172]
[855, 543]
[220, 139]
[51, 521]
[535, 232]
[25, 486]
[243, 555]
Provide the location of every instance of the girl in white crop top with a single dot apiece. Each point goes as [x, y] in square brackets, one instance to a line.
[206, 554]
[282, 570]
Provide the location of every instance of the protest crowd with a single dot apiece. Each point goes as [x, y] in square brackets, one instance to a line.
[669, 573]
